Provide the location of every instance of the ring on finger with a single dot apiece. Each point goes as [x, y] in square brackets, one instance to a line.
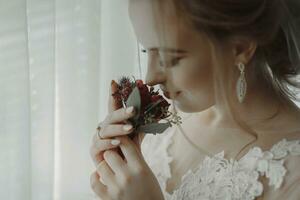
[98, 133]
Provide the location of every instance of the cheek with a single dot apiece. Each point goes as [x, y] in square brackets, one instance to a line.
[195, 77]
[195, 83]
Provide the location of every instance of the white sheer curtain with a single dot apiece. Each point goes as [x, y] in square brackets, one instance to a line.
[56, 62]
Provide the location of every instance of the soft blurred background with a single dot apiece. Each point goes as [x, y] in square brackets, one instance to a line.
[57, 58]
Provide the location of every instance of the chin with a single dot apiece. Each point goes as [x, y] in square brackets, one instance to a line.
[190, 107]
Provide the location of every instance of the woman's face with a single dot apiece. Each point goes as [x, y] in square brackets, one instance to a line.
[186, 54]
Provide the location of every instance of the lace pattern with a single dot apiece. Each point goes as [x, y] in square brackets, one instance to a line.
[216, 177]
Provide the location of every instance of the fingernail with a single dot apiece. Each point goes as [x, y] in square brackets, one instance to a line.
[129, 110]
[127, 127]
[112, 82]
[115, 142]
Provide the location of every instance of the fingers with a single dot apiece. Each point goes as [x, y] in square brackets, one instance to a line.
[119, 115]
[138, 139]
[130, 151]
[104, 144]
[111, 126]
[112, 103]
[115, 162]
[107, 175]
[99, 188]
[99, 146]
[116, 130]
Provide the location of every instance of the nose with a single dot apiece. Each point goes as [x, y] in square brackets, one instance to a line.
[155, 73]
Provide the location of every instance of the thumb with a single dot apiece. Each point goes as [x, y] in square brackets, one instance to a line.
[113, 104]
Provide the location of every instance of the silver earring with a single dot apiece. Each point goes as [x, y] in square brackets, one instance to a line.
[241, 85]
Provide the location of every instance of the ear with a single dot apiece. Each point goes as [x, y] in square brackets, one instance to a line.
[243, 50]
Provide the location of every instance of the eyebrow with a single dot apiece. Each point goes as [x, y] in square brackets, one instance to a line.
[166, 49]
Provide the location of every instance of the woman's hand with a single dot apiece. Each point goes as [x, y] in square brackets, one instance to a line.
[113, 125]
[129, 179]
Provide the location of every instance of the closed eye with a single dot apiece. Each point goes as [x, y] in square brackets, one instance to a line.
[168, 63]
[175, 61]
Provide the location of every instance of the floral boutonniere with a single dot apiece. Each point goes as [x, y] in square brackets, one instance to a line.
[150, 106]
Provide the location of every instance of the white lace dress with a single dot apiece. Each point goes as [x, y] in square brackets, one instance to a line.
[217, 178]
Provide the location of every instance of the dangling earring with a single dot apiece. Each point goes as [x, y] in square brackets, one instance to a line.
[241, 85]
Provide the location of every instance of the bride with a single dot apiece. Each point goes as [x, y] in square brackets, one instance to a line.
[230, 67]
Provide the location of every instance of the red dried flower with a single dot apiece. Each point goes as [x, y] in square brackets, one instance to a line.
[145, 94]
[153, 107]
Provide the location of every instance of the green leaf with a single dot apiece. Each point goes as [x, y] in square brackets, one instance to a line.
[153, 105]
[134, 99]
[154, 128]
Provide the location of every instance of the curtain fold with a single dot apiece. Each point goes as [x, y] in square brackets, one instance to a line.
[56, 62]
[57, 58]
[41, 55]
[15, 154]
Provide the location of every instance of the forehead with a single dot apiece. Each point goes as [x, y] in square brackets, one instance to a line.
[155, 28]
[157, 24]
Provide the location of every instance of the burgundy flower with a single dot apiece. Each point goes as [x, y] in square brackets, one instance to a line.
[163, 102]
[153, 107]
[145, 94]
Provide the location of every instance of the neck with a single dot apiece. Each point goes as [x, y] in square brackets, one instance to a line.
[259, 110]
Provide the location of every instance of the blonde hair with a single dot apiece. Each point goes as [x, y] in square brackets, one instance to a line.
[258, 20]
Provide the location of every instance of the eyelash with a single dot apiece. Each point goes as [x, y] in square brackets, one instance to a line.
[174, 61]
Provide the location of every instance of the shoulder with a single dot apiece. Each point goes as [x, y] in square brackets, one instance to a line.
[286, 160]
[291, 186]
